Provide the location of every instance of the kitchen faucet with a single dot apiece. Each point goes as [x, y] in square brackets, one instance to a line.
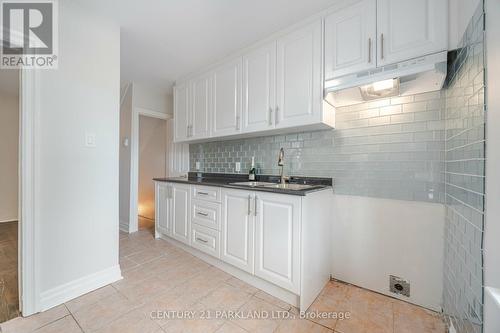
[281, 159]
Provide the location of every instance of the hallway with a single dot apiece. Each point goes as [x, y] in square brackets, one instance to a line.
[9, 291]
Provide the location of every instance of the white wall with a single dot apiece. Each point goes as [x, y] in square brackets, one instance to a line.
[152, 98]
[77, 186]
[460, 12]
[125, 158]
[138, 96]
[9, 148]
[374, 238]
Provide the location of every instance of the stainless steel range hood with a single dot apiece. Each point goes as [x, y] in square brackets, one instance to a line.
[410, 77]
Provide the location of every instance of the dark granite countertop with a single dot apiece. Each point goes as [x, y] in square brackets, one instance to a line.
[226, 180]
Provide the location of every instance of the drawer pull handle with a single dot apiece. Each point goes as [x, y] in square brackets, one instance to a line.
[202, 193]
[202, 214]
[201, 240]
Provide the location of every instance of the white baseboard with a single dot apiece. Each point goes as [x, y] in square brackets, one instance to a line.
[452, 329]
[73, 289]
[9, 220]
[124, 226]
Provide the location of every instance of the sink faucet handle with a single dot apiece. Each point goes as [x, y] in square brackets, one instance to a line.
[281, 157]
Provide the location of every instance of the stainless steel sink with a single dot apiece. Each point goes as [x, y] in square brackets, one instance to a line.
[253, 184]
[293, 187]
[287, 186]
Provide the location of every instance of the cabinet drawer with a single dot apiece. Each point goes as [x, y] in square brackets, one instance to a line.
[207, 193]
[206, 214]
[205, 240]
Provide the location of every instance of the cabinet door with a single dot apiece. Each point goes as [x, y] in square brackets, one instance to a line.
[259, 88]
[277, 239]
[201, 107]
[162, 211]
[350, 39]
[227, 99]
[408, 29]
[181, 112]
[237, 229]
[180, 213]
[299, 92]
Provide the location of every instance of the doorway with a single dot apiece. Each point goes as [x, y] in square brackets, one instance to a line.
[152, 164]
[9, 194]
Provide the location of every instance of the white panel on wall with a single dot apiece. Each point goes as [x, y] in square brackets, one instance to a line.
[374, 238]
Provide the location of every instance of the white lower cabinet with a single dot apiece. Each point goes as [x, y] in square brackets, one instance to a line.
[163, 208]
[277, 242]
[237, 229]
[180, 212]
[205, 240]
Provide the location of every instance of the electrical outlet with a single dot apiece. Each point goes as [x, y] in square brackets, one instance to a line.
[90, 140]
[399, 286]
[237, 167]
[197, 165]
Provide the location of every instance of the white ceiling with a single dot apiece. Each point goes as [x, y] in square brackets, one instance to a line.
[9, 82]
[162, 40]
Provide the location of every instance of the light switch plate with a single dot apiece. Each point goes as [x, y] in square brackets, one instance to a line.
[197, 165]
[238, 167]
[90, 140]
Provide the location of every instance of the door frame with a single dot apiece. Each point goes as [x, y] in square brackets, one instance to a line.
[29, 157]
[133, 224]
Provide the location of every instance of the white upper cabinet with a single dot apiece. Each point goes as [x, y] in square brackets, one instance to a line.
[259, 88]
[299, 86]
[351, 39]
[276, 85]
[409, 29]
[227, 99]
[201, 107]
[181, 112]
[375, 33]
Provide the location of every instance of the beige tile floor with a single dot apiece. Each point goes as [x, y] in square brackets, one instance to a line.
[159, 277]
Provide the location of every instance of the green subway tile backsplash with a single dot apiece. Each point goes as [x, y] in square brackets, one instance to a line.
[375, 149]
[464, 182]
